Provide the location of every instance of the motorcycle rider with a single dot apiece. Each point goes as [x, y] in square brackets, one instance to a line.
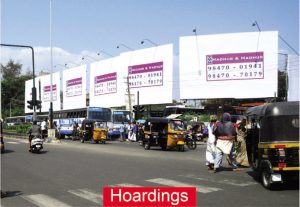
[35, 130]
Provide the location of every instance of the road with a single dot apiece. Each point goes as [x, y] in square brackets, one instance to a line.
[73, 174]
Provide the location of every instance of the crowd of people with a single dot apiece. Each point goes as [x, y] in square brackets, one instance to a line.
[133, 132]
[226, 137]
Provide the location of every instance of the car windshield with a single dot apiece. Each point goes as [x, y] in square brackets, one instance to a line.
[177, 125]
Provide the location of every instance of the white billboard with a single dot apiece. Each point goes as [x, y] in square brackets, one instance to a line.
[46, 91]
[150, 71]
[293, 77]
[237, 65]
[74, 87]
[28, 92]
[107, 84]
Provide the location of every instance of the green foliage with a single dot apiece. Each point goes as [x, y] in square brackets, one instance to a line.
[13, 89]
[21, 129]
[190, 116]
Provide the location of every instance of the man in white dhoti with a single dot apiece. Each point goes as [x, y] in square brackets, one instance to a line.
[211, 143]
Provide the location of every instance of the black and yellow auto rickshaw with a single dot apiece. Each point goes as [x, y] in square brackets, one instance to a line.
[93, 131]
[273, 141]
[164, 132]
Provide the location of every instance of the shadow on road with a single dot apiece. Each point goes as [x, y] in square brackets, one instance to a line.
[287, 185]
[12, 193]
[7, 151]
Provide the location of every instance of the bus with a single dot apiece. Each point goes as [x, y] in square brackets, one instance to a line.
[14, 120]
[114, 118]
[28, 119]
[119, 117]
[66, 118]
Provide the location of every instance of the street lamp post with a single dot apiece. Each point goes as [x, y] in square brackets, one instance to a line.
[72, 63]
[104, 53]
[143, 41]
[295, 51]
[85, 56]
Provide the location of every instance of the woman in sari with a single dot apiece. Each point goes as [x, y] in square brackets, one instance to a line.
[241, 157]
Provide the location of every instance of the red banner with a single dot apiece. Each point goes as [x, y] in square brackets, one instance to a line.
[149, 196]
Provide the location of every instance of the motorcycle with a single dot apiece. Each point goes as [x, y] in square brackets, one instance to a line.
[190, 141]
[36, 144]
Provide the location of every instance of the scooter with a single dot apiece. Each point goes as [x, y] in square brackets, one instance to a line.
[36, 144]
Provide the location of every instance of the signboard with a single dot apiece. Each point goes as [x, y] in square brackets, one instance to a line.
[105, 84]
[46, 91]
[237, 65]
[146, 75]
[74, 87]
[46, 97]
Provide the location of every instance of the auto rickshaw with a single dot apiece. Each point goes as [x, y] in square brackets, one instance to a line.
[273, 142]
[164, 132]
[93, 131]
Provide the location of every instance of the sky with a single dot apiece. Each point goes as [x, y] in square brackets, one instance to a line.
[86, 27]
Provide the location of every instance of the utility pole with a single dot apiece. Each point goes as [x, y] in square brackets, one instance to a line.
[129, 96]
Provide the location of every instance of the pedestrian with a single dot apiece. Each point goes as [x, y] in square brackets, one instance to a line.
[241, 156]
[129, 128]
[44, 128]
[211, 143]
[225, 134]
[134, 131]
[122, 132]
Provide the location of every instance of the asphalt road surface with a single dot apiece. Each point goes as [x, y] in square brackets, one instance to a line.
[73, 174]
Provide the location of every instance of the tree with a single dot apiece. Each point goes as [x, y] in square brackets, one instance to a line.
[11, 70]
[13, 88]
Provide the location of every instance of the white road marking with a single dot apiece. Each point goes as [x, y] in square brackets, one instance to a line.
[11, 142]
[224, 181]
[42, 200]
[126, 185]
[88, 195]
[173, 183]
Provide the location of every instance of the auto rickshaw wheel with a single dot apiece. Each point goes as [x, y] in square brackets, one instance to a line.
[266, 178]
[81, 140]
[147, 146]
[192, 145]
[180, 148]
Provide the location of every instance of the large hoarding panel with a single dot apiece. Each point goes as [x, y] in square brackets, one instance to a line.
[107, 83]
[239, 65]
[150, 72]
[46, 91]
[74, 87]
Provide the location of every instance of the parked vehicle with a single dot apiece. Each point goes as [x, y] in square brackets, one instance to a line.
[36, 144]
[93, 131]
[273, 142]
[164, 132]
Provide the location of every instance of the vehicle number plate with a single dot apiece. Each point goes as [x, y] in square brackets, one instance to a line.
[38, 145]
[276, 177]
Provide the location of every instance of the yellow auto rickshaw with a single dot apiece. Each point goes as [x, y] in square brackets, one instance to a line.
[167, 133]
[273, 142]
[93, 131]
